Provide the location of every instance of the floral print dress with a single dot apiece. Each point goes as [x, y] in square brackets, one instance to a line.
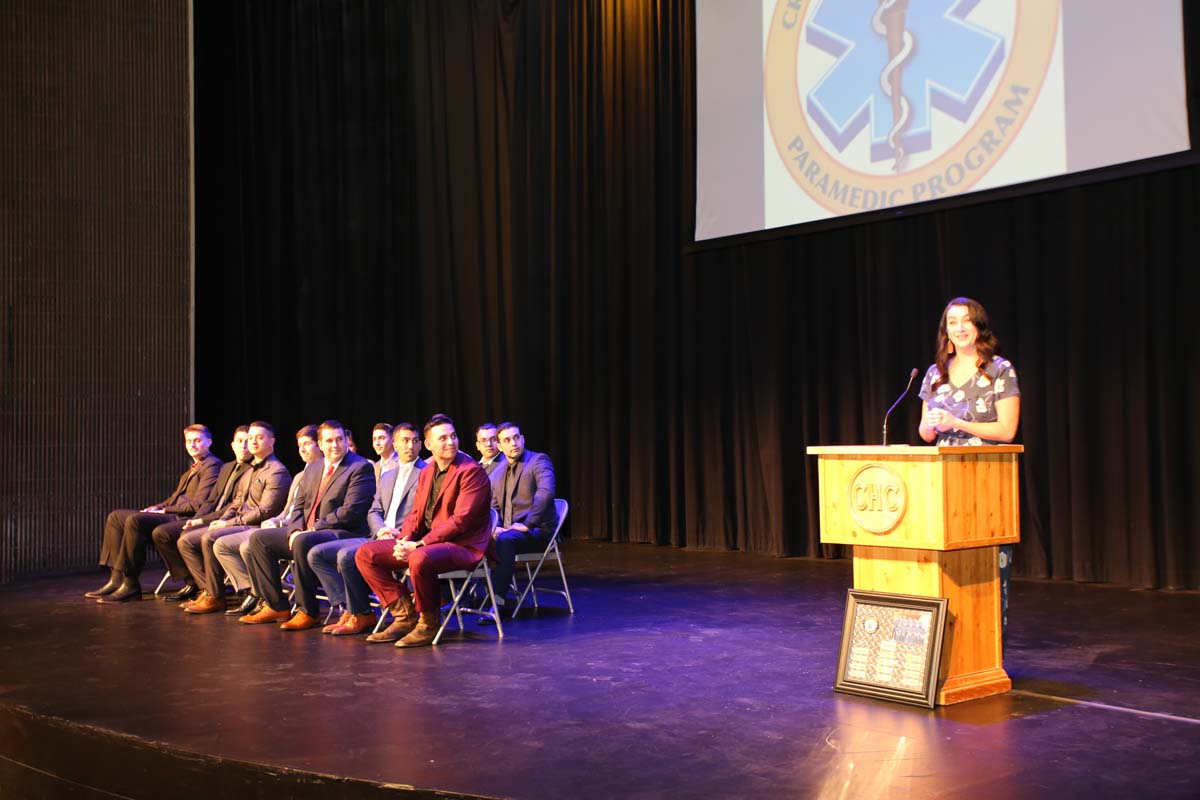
[974, 401]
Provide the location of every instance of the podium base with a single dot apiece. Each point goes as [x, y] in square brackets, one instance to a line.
[973, 685]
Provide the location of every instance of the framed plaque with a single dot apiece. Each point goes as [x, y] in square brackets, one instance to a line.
[891, 646]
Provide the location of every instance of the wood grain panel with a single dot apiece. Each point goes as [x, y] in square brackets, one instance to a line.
[95, 319]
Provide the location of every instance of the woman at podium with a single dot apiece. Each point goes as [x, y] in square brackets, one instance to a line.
[970, 394]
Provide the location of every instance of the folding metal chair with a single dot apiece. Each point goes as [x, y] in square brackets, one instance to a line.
[551, 553]
[461, 580]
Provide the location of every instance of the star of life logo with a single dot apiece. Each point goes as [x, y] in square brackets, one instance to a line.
[878, 103]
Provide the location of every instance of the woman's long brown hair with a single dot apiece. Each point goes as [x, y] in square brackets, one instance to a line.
[986, 343]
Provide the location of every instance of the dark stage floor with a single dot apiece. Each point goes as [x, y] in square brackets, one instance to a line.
[682, 674]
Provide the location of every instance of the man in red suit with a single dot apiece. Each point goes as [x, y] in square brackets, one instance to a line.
[447, 529]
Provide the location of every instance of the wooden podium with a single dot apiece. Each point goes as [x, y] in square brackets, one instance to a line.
[928, 521]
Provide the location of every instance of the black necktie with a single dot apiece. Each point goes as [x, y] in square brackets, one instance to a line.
[510, 484]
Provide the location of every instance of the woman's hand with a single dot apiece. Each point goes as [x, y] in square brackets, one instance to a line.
[947, 422]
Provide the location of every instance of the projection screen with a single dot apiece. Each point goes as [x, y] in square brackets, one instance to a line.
[813, 110]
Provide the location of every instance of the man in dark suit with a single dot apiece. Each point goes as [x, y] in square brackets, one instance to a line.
[523, 495]
[333, 562]
[260, 495]
[225, 549]
[166, 536]
[336, 494]
[447, 529]
[126, 531]
[488, 445]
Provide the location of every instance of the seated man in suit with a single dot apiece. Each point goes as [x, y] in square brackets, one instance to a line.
[228, 546]
[259, 495]
[126, 531]
[523, 494]
[488, 445]
[446, 530]
[166, 536]
[333, 562]
[336, 495]
[381, 442]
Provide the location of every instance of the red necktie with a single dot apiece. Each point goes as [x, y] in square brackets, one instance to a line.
[312, 512]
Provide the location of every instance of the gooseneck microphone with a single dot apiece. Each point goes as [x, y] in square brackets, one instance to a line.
[911, 376]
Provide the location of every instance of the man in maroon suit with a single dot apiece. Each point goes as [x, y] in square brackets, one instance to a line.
[447, 529]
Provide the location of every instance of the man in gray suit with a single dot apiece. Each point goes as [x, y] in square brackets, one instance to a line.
[126, 531]
[337, 493]
[333, 562]
[259, 495]
[523, 494]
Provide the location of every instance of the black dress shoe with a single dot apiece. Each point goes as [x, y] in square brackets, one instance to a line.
[249, 604]
[130, 589]
[113, 583]
[186, 593]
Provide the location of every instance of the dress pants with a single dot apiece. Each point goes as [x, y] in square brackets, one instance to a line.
[265, 550]
[126, 534]
[166, 542]
[504, 549]
[333, 562]
[231, 551]
[197, 547]
[377, 563]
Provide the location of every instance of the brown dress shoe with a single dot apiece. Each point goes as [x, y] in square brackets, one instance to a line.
[405, 619]
[356, 624]
[200, 598]
[340, 622]
[265, 614]
[206, 604]
[300, 622]
[425, 632]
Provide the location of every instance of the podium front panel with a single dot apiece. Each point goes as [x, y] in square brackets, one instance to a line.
[928, 498]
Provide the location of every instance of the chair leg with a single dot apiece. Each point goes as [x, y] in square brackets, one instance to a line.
[532, 574]
[456, 595]
[385, 613]
[529, 577]
[566, 590]
[163, 582]
[487, 576]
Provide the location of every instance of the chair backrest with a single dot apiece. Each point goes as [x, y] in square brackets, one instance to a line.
[562, 507]
[494, 524]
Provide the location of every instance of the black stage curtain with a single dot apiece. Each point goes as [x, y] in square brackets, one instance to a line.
[482, 208]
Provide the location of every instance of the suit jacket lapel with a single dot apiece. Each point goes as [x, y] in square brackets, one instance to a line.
[413, 475]
[185, 481]
[339, 473]
[422, 497]
[386, 493]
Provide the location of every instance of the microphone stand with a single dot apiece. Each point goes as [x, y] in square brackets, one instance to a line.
[903, 394]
